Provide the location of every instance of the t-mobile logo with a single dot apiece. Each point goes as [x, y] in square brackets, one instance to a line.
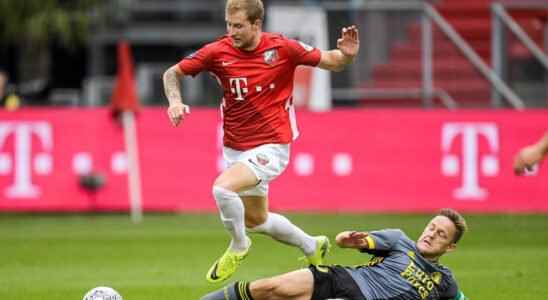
[238, 86]
[21, 161]
[470, 163]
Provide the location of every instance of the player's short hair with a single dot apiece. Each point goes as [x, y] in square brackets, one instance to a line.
[457, 219]
[254, 9]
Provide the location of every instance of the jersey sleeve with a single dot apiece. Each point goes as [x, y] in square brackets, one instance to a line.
[197, 61]
[303, 54]
[383, 240]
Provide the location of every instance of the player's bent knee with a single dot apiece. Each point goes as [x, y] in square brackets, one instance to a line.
[254, 220]
[222, 183]
[220, 193]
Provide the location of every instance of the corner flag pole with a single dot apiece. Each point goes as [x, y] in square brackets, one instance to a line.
[124, 105]
[134, 175]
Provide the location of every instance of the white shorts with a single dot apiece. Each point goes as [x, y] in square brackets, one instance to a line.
[266, 161]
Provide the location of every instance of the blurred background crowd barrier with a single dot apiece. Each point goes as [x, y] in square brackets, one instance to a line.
[74, 160]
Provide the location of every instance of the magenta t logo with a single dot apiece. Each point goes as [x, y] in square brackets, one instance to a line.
[238, 86]
[21, 162]
[471, 164]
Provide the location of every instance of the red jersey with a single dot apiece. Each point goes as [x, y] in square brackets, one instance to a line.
[257, 87]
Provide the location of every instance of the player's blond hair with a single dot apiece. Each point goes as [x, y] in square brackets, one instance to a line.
[254, 9]
[457, 219]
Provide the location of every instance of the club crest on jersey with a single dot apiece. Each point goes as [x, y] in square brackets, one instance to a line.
[262, 159]
[270, 56]
[306, 47]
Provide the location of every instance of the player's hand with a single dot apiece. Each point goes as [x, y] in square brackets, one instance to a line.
[526, 159]
[352, 239]
[177, 113]
[349, 43]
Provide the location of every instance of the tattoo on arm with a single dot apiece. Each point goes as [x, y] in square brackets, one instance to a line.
[172, 86]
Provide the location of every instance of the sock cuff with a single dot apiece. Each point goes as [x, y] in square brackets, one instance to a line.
[217, 190]
[271, 220]
[242, 290]
[263, 228]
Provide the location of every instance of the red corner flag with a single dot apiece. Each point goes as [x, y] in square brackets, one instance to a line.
[124, 97]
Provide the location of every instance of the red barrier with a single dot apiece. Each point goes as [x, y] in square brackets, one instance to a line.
[345, 160]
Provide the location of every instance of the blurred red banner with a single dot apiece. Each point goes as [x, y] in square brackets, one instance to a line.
[344, 161]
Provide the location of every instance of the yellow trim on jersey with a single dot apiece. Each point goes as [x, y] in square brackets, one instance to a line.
[370, 242]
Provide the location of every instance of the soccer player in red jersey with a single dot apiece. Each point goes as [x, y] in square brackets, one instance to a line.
[255, 70]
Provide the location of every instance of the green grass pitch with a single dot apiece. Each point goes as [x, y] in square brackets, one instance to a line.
[166, 257]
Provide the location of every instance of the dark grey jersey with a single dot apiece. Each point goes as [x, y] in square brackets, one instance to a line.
[397, 271]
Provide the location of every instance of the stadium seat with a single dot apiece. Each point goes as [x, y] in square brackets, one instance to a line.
[452, 72]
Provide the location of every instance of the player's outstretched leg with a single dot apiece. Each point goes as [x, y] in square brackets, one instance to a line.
[232, 215]
[235, 291]
[281, 229]
[296, 285]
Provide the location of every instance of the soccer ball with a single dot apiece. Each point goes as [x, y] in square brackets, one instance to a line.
[102, 293]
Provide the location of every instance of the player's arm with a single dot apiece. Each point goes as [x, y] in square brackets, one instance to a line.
[353, 239]
[172, 88]
[347, 48]
[530, 155]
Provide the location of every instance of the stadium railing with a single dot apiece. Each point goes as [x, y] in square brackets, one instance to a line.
[429, 14]
[499, 42]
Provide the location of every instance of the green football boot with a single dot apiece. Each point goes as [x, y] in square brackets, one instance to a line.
[322, 248]
[225, 266]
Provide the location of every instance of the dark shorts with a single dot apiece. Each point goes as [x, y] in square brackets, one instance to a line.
[336, 283]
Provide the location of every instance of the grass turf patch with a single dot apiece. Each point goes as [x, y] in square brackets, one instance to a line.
[167, 256]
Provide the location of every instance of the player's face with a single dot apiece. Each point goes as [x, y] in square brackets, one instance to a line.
[437, 237]
[243, 33]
